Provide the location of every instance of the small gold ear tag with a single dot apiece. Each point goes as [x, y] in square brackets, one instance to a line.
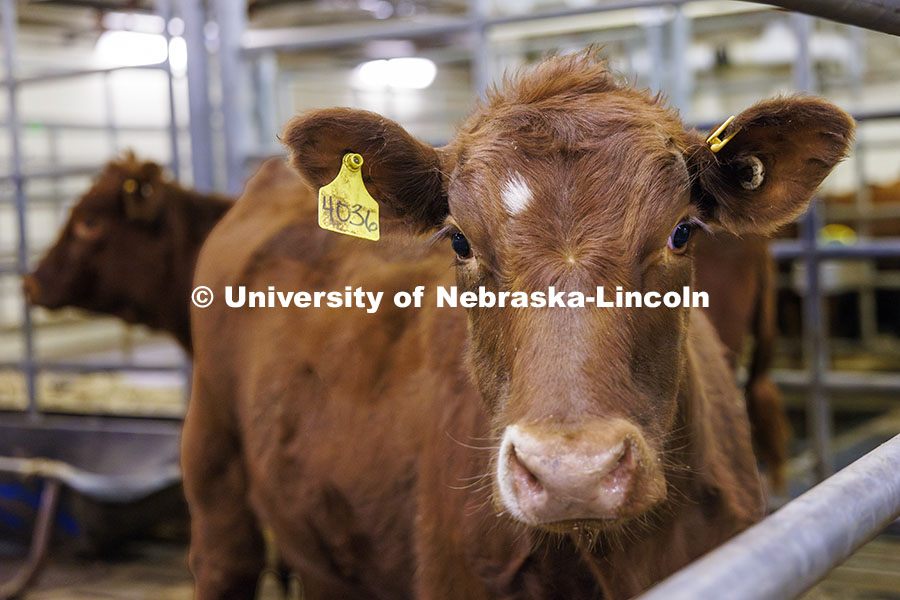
[715, 144]
[345, 205]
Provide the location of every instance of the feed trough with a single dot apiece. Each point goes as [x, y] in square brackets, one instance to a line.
[119, 466]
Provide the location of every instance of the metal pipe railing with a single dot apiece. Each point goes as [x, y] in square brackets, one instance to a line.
[164, 10]
[874, 248]
[877, 15]
[232, 19]
[840, 381]
[97, 367]
[795, 547]
[73, 126]
[201, 134]
[76, 73]
[18, 176]
[9, 16]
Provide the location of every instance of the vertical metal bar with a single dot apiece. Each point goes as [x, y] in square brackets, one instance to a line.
[114, 149]
[194, 16]
[868, 321]
[284, 98]
[681, 74]
[232, 18]
[265, 74]
[804, 75]
[478, 13]
[164, 10]
[54, 156]
[110, 114]
[653, 30]
[815, 348]
[10, 22]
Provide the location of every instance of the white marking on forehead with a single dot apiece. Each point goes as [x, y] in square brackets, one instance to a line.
[515, 194]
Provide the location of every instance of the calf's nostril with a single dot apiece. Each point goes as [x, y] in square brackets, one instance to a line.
[622, 466]
[522, 474]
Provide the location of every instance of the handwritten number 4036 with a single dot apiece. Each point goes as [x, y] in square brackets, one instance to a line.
[354, 215]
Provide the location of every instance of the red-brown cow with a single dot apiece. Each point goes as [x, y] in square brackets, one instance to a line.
[739, 274]
[488, 452]
[129, 249]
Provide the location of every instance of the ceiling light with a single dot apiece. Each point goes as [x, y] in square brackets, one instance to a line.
[410, 73]
[132, 49]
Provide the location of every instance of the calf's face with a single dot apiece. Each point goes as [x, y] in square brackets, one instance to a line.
[567, 179]
[108, 252]
[582, 397]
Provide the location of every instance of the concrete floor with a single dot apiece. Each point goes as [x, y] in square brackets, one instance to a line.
[150, 571]
[158, 571]
[872, 573]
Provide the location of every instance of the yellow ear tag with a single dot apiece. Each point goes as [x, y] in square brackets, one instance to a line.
[715, 143]
[345, 205]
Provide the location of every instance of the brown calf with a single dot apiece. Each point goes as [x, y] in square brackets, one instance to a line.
[488, 452]
[129, 249]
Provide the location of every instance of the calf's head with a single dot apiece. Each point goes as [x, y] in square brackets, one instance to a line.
[566, 178]
[110, 251]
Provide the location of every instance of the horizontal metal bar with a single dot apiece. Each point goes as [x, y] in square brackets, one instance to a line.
[876, 115]
[43, 199]
[93, 422]
[844, 381]
[57, 75]
[876, 248]
[877, 15]
[100, 127]
[67, 367]
[54, 173]
[791, 550]
[852, 212]
[306, 38]
[577, 12]
[875, 279]
[294, 39]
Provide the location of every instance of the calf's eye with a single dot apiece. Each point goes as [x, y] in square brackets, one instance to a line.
[88, 229]
[678, 239]
[460, 245]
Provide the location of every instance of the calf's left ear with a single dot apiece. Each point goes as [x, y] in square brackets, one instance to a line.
[778, 153]
[403, 174]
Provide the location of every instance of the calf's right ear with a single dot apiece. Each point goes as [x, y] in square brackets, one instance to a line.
[403, 174]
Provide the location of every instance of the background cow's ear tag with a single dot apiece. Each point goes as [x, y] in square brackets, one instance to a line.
[345, 205]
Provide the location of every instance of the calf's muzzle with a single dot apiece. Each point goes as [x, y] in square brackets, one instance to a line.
[597, 470]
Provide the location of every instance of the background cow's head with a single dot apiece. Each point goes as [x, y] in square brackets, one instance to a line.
[565, 177]
[117, 251]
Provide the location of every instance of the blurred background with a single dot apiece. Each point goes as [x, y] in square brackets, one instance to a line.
[204, 88]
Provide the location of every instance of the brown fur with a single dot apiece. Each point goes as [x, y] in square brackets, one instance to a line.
[739, 274]
[127, 255]
[368, 442]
